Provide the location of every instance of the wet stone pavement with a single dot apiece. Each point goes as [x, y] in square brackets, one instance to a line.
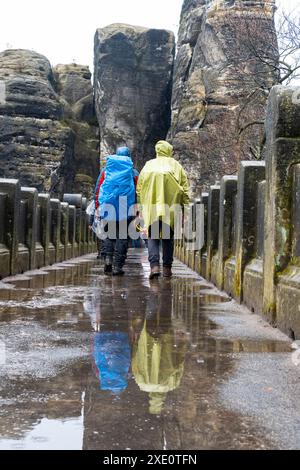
[94, 362]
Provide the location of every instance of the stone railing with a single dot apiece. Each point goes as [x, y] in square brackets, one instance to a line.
[252, 223]
[37, 231]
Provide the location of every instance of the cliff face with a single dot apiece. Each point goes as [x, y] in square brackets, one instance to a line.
[33, 140]
[218, 85]
[133, 73]
[73, 84]
[41, 134]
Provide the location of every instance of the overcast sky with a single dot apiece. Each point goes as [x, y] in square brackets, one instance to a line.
[63, 30]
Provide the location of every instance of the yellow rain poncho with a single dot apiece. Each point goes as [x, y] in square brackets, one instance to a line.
[157, 367]
[161, 185]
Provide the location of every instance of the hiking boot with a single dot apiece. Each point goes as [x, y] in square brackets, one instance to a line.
[155, 272]
[167, 271]
[118, 271]
[101, 256]
[108, 266]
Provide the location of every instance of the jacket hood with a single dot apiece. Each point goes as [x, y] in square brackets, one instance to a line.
[123, 152]
[156, 403]
[164, 149]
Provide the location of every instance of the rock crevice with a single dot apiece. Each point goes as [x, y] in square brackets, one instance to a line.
[132, 81]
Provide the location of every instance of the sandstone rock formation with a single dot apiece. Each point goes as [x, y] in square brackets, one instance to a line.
[73, 84]
[48, 129]
[219, 87]
[133, 74]
[47, 141]
[34, 141]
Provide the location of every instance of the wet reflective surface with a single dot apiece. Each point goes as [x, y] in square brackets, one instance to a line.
[93, 362]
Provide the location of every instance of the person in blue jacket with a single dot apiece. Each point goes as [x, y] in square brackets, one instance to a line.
[116, 196]
[112, 356]
[111, 342]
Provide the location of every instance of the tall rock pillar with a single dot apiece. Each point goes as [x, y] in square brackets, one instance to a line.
[133, 75]
[220, 85]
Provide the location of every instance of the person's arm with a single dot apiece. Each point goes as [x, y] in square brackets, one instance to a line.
[92, 218]
[135, 180]
[98, 186]
[139, 186]
[135, 177]
[186, 188]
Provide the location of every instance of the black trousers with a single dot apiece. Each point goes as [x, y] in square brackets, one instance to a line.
[115, 247]
[161, 232]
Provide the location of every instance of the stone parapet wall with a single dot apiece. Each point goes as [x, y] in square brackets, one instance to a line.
[37, 231]
[252, 246]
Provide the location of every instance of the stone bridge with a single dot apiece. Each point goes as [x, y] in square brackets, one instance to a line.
[251, 225]
[225, 378]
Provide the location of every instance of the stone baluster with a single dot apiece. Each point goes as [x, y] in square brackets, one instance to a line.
[29, 199]
[72, 232]
[44, 204]
[64, 231]
[250, 174]
[228, 191]
[212, 226]
[253, 275]
[10, 201]
[76, 201]
[84, 243]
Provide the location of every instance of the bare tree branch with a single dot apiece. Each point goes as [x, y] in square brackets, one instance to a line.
[253, 123]
[267, 56]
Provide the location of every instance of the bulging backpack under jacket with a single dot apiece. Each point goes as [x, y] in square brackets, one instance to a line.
[117, 192]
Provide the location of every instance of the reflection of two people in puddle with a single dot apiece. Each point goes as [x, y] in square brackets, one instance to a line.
[153, 349]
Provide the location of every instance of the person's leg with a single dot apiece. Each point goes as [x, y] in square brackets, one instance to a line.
[100, 249]
[108, 249]
[168, 250]
[153, 249]
[120, 256]
[121, 249]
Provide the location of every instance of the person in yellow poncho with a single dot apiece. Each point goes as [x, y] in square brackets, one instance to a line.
[162, 189]
[158, 355]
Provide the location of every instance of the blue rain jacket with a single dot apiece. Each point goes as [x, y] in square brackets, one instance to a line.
[118, 188]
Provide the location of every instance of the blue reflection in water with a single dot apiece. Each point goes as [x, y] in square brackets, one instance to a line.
[112, 357]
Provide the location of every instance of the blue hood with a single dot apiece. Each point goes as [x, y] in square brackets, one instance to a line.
[123, 152]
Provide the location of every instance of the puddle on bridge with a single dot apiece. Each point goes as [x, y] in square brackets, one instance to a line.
[94, 362]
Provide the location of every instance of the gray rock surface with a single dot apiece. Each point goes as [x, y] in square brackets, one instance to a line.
[133, 73]
[48, 129]
[212, 82]
[73, 83]
[34, 140]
